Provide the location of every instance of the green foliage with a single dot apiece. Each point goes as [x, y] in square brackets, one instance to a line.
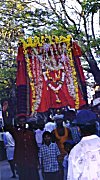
[90, 6]
[54, 18]
[7, 79]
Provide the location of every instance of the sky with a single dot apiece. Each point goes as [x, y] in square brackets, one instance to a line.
[77, 7]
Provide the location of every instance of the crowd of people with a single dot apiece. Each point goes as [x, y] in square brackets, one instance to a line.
[66, 148]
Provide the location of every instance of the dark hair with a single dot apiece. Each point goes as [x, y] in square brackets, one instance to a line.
[70, 115]
[46, 133]
[21, 118]
[88, 129]
[68, 146]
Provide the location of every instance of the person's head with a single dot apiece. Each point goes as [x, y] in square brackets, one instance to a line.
[41, 127]
[59, 120]
[87, 130]
[40, 124]
[86, 120]
[70, 115]
[22, 121]
[46, 137]
[68, 145]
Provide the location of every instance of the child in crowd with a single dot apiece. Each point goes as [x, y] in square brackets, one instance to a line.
[68, 145]
[48, 156]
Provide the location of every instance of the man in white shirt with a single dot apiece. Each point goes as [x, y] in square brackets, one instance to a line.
[38, 134]
[84, 158]
[10, 147]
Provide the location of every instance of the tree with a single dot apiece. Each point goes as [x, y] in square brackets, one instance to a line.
[73, 17]
[59, 17]
[10, 29]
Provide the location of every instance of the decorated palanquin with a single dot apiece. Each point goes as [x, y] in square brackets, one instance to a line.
[49, 74]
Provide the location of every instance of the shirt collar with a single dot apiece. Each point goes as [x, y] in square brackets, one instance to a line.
[89, 137]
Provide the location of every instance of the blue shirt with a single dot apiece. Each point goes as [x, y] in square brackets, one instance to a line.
[65, 166]
[48, 157]
[98, 128]
[76, 136]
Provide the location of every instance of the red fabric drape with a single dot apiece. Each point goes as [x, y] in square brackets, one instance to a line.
[21, 68]
[48, 97]
[77, 53]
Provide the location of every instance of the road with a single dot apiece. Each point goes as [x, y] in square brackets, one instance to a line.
[5, 172]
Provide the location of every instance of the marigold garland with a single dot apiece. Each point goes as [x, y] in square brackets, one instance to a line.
[74, 74]
[38, 80]
[39, 42]
[69, 79]
[31, 83]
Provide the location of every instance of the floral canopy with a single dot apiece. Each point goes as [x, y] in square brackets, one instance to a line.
[49, 74]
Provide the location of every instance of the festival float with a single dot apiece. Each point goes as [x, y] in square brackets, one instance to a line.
[49, 75]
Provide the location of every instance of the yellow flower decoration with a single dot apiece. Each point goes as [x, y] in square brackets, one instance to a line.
[39, 41]
[42, 39]
[73, 71]
[31, 83]
[29, 42]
